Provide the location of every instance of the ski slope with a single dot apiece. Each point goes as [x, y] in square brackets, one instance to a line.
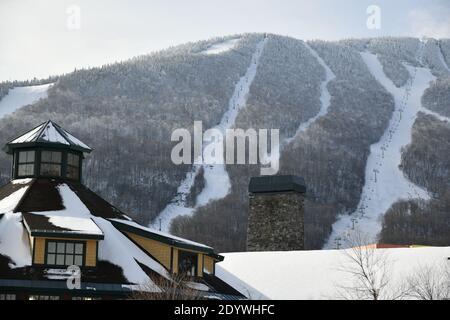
[385, 182]
[22, 96]
[217, 181]
[221, 47]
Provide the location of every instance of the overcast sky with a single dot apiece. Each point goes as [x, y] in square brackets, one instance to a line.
[39, 38]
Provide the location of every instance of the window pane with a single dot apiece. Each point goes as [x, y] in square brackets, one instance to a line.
[51, 156]
[30, 156]
[26, 170]
[61, 247]
[51, 247]
[69, 248]
[79, 248]
[73, 172]
[50, 258]
[54, 297]
[78, 260]
[60, 259]
[69, 260]
[53, 170]
[73, 160]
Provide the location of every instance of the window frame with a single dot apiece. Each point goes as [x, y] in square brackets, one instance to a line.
[56, 241]
[17, 163]
[68, 166]
[188, 253]
[61, 163]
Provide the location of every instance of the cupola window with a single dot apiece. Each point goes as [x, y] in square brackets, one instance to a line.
[26, 163]
[73, 166]
[47, 151]
[51, 163]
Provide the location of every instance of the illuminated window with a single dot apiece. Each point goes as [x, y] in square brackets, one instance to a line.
[43, 297]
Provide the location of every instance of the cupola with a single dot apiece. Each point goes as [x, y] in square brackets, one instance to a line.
[47, 151]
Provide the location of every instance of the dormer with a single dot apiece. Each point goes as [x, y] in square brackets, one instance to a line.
[47, 151]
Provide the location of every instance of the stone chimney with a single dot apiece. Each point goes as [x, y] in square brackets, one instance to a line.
[275, 221]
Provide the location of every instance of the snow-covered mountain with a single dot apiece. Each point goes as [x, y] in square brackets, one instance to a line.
[365, 122]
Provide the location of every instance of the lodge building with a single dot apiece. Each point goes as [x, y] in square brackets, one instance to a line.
[49, 220]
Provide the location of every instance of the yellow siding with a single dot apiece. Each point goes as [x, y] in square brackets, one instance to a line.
[175, 260]
[158, 250]
[39, 250]
[91, 250]
[91, 253]
[200, 265]
[209, 264]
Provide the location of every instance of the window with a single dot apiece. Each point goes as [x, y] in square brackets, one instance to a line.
[187, 263]
[86, 298]
[73, 166]
[26, 163]
[51, 163]
[61, 253]
[43, 297]
[6, 296]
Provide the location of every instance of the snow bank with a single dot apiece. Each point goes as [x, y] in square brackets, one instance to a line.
[312, 275]
[221, 47]
[22, 96]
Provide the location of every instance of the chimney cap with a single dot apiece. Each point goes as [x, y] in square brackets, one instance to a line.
[273, 184]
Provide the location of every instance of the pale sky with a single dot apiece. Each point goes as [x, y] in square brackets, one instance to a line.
[39, 38]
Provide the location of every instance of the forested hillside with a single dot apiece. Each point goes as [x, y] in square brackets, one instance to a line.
[127, 111]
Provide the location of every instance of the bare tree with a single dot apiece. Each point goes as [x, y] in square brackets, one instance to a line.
[369, 270]
[164, 289]
[430, 282]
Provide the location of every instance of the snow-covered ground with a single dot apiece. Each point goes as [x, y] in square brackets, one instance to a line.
[217, 182]
[325, 97]
[22, 96]
[221, 47]
[385, 182]
[313, 275]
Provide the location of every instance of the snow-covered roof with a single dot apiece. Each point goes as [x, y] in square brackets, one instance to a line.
[49, 133]
[51, 225]
[313, 275]
[159, 235]
[69, 213]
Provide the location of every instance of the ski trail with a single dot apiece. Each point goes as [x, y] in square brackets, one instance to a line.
[325, 97]
[22, 96]
[217, 182]
[385, 183]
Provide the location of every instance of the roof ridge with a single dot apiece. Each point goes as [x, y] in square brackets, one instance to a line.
[18, 136]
